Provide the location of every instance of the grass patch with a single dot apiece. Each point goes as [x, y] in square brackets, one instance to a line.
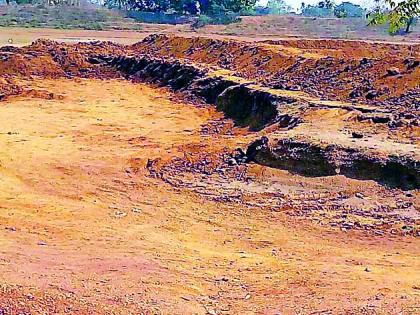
[86, 17]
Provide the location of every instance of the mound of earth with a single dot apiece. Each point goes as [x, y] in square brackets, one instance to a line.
[353, 71]
[47, 58]
[173, 176]
[243, 81]
[302, 27]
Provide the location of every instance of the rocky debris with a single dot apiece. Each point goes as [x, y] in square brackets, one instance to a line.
[406, 118]
[255, 147]
[212, 177]
[311, 159]
[393, 71]
[411, 63]
[172, 73]
[246, 105]
[356, 135]
[220, 127]
[356, 76]
[250, 107]
[238, 157]
[407, 101]
[358, 79]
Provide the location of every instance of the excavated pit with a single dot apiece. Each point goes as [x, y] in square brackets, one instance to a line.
[257, 108]
[249, 103]
[123, 189]
[315, 160]
[247, 106]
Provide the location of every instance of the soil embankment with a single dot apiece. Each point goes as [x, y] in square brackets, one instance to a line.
[241, 79]
[134, 179]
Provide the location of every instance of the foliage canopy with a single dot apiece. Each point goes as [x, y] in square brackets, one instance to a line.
[182, 6]
[400, 15]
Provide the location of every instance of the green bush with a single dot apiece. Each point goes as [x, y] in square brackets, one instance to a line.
[317, 11]
[248, 12]
[23, 1]
[202, 21]
[217, 19]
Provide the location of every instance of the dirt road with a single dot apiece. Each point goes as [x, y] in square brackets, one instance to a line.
[85, 228]
[25, 36]
[251, 29]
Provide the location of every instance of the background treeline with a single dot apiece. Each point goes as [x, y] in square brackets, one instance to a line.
[212, 7]
[208, 7]
[399, 16]
[328, 8]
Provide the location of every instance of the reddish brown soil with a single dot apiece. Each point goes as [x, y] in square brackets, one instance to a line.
[307, 65]
[116, 197]
[350, 71]
[253, 28]
[25, 36]
[50, 59]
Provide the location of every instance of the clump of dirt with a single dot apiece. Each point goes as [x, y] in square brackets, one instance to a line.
[52, 59]
[358, 72]
[8, 87]
[219, 178]
[23, 63]
[381, 74]
[349, 49]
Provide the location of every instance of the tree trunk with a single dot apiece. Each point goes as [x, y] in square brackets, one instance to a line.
[204, 6]
[409, 22]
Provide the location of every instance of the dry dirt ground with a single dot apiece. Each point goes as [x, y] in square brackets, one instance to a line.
[249, 29]
[83, 231]
[307, 27]
[115, 198]
[25, 36]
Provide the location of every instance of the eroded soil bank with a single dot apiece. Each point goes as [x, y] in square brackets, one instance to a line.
[122, 196]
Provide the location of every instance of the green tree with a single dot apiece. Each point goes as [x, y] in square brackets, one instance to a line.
[183, 6]
[349, 10]
[278, 7]
[231, 5]
[327, 4]
[321, 9]
[399, 15]
[119, 4]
